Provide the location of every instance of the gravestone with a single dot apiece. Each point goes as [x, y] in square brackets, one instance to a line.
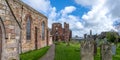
[97, 42]
[113, 48]
[87, 50]
[106, 53]
[105, 40]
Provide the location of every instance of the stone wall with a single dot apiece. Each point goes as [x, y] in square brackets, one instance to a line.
[22, 12]
[66, 32]
[49, 40]
[10, 33]
[59, 33]
[13, 21]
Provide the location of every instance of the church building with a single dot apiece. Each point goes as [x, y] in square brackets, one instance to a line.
[22, 29]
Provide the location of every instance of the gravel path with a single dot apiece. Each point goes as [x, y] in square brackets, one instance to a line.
[50, 54]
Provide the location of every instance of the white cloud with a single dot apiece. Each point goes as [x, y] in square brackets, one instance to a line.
[102, 15]
[114, 8]
[86, 2]
[40, 5]
[61, 16]
[100, 18]
[67, 10]
[74, 21]
[52, 17]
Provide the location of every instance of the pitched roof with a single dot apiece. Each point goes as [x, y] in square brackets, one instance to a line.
[29, 7]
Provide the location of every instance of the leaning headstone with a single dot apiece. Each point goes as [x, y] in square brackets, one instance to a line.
[97, 42]
[87, 50]
[106, 53]
[105, 40]
[113, 48]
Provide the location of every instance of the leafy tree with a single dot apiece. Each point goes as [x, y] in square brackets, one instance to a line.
[112, 36]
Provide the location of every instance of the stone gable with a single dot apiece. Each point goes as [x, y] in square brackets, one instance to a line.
[14, 15]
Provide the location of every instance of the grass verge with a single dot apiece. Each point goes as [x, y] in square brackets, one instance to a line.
[64, 52]
[117, 56]
[34, 54]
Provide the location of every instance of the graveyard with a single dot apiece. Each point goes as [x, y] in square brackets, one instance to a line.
[71, 52]
[105, 46]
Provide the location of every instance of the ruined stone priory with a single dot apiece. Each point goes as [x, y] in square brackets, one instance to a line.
[60, 33]
[22, 29]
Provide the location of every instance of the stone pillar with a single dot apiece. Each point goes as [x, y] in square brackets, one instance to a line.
[87, 50]
[106, 53]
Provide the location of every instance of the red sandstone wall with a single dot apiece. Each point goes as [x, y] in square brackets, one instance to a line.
[63, 33]
[22, 12]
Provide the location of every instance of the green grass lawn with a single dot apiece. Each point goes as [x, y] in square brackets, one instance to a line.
[63, 52]
[34, 55]
[97, 57]
[117, 56]
[72, 52]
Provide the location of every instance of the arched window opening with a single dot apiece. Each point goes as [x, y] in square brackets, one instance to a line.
[43, 30]
[28, 29]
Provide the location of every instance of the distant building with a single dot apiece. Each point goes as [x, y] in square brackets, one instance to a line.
[77, 38]
[59, 33]
[90, 35]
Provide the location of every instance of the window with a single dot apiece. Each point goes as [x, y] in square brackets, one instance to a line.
[43, 30]
[56, 28]
[28, 29]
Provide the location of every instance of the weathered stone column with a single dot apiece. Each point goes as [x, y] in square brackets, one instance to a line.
[106, 53]
[87, 50]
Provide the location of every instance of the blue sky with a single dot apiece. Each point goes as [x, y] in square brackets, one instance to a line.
[82, 15]
[60, 4]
